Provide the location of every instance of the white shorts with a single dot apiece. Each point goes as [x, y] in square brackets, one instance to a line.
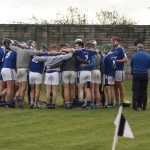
[120, 75]
[52, 78]
[8, 74]
[95, 76]
[35, 78]
[108, 80]
[68, 76]
[22, 74]
[83, 76]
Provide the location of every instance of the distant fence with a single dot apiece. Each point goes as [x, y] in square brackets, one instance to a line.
[57, 34]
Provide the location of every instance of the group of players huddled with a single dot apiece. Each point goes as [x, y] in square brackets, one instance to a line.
[85, 74]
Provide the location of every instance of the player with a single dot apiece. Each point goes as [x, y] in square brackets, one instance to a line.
[121, 58]
[109, 74]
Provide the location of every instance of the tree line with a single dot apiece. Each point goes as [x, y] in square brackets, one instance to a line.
[76, 16]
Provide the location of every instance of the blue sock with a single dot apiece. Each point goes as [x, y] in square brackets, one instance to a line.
[53, 105]
[88, 103]
[16, 98]
[109, 103]
[2, 103]
[10, 103]
[80, 104]
[67, 104]
[97, 105]
[71, 105]
[48, 105]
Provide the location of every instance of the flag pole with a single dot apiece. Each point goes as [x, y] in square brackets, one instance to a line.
[117, 122]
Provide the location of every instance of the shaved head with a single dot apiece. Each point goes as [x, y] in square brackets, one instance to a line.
[140, 46]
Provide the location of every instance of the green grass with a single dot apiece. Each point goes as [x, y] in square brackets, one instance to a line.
[60, 129]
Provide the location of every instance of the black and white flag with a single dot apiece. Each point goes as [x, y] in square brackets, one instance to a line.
[122, 128]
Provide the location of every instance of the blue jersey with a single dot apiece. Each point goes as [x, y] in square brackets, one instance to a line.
[36, 66]
[89, 66]
[109, 64]
[85, 55]
[10, 60]
[2, 57]
[120, 54]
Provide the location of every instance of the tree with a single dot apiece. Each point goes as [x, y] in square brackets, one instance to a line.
[113, 18]
[74, 16]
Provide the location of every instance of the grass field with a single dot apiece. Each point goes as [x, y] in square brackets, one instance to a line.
[61, 129]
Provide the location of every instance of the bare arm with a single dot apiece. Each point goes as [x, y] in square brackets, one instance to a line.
[69, 50]
[124, 60]
[56, 52]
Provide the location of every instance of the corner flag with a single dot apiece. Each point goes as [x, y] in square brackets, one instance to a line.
[122, 128]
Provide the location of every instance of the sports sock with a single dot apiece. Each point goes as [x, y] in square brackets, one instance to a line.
[89, 103]
[80, 104]
[48, 105]
[53, 106]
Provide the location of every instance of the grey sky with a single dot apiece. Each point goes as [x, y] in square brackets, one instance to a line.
[138, 10]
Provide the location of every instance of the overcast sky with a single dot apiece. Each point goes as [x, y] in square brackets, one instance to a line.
[138, 10]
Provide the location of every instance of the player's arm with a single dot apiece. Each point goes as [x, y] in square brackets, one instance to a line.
[80, 60]
[54, 65]
[124, 60]
[14, 48]
[40, 58]
[54, 59]
[68, 50]
[56, 52]
[34, 52]
[91, 64]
